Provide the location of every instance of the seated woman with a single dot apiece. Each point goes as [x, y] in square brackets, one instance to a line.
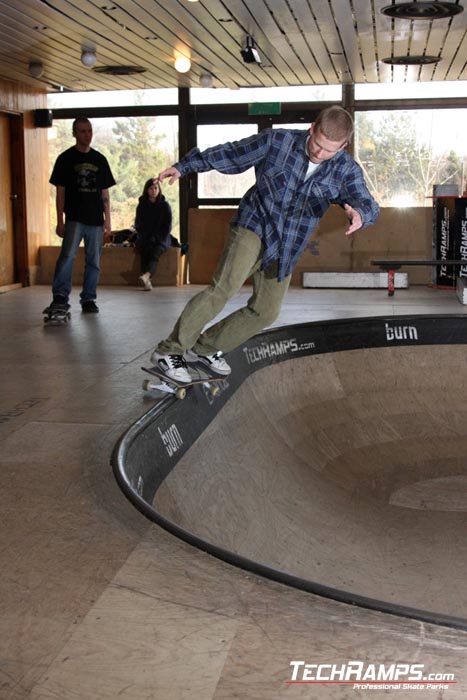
[153, 223]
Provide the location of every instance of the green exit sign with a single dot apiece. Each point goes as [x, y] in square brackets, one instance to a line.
[264, 108]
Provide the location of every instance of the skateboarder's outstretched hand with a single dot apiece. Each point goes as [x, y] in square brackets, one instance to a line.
[355, 219]
[173, 173]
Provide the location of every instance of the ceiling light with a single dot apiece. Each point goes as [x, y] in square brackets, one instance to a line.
[206, 79]
[182, 64]
[411, 60]
[250, 53]
[422, 10]
[119, 70]
[36, 69]
[88, 58]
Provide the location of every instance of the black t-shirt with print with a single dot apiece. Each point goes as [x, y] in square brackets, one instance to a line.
[84, 176]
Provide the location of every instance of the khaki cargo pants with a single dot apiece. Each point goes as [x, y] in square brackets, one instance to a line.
[240, 260]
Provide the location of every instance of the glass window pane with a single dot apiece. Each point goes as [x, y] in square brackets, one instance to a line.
[411, 91]
[112, 98]
[214, 184]
[137, 148]
[300, 93]
[404, 153]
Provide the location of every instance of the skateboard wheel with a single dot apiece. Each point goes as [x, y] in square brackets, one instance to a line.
[180, 393]
[214, 390]
[147, 385]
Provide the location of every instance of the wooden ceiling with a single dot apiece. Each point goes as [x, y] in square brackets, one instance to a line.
[300, 42]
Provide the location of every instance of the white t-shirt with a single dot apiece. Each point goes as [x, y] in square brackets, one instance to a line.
[311, 166]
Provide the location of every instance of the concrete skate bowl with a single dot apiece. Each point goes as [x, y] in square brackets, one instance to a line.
[334, 459]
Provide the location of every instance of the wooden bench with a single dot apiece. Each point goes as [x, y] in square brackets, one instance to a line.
[119, 266]
[390, 266]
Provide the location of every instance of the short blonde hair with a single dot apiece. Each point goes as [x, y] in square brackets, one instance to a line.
[335, 123]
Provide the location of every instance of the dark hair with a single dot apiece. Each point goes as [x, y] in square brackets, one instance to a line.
[147, 185]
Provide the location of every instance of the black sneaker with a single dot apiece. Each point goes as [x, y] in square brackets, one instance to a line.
[89, 307]
[57, 307]
[59, 304]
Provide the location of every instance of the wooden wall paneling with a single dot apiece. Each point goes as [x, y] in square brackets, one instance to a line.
[363, 10]
[351, 67]
[329, 250]
[30, 152]
[314, 37]
[7, 248]
[213, 48]
[454, 63]
[284, 34]
[383, 40]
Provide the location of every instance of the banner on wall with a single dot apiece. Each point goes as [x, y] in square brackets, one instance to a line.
[449, 234]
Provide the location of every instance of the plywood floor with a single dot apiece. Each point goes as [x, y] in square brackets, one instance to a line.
[98, 603]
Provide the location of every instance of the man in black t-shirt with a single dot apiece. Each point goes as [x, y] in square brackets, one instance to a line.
[82, 177]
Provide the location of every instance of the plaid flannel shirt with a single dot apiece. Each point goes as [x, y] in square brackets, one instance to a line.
[283, 208]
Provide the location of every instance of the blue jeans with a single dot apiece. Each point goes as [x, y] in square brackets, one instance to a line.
[93, 237]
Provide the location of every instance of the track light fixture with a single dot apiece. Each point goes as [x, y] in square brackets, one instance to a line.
[250, 52]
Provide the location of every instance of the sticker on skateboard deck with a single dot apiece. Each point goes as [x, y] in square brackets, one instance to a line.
[171, 386]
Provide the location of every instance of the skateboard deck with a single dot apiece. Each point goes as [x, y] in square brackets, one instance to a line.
[56, 317]
[171, 386]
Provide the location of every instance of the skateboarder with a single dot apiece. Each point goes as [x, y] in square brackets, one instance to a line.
[299, 174]
[82, 177]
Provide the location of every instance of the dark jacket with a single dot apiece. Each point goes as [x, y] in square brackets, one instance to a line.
[153, 223]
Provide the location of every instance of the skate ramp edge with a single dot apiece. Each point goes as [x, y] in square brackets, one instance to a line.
[334, 460]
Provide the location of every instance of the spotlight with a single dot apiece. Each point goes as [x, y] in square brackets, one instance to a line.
[182, 64]
[36, 69]
[88, 58]
[205, 80]
[250, 53]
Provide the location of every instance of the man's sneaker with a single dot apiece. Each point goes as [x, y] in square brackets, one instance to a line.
[174, 366]
[216, 362]
[57, 307]
[145, 281]
[89, 307]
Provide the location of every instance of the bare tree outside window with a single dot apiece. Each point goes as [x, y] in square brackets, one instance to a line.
[404, 153]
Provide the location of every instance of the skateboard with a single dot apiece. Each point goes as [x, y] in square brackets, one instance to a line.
[56, 317]
[171, 386]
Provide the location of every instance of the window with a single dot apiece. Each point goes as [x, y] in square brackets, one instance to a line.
[405, 152]
[217, 185]
[300, 93]
[137, 148]
[112, 98]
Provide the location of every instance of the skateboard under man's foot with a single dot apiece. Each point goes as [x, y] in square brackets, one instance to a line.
[55, 315]
[171, 386]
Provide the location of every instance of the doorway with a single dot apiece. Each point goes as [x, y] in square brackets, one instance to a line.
[13, 238]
